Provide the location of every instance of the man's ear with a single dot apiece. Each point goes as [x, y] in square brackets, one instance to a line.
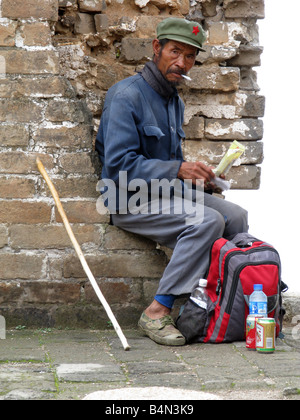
[156, 47]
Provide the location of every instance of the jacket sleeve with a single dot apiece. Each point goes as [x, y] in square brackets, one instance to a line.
[122, 148]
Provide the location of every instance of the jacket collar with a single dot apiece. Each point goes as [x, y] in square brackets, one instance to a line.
[157, 81]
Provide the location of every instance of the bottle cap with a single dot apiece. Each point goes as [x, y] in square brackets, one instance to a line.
[202, 282]
[257, 287]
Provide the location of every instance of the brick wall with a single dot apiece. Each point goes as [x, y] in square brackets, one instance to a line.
[57, 60]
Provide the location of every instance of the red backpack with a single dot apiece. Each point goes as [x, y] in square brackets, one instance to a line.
[235, 266]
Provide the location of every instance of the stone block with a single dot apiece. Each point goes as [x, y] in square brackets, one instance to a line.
[7, 33]
[22, 162]
[115, 291]
[39, 293]
[80, 163]
[30, 62]
[67, 137]
[59, 110]
[21, 266]
[116, 238]
[83, 186]
[120, 265]
[51, 236]
[36, 34]
[195, 128]
[211, 152]
[218, 33]
[36, 87]
[16, 135]
[101, 22]
[136, 49]
[20, 110]
[3, 236]
[244, 9]
[247, 56]
[26, 9]
[254, 106]
[215, 78]
[242, 129]
[94, 6]
[84, 24]
[16, 187]
[245, 177]
[82, 211]
[15, 211]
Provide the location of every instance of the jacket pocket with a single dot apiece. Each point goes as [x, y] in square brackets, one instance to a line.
[153, 131]
[180, 133]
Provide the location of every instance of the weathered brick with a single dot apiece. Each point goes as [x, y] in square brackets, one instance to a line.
[92, 5]
[84, 24]
[25, 9]
[60, 136]
[36, 33]
[195, 128]
[84, 187]
[244, 9]
[16, 187]
[247, 56]
[40, 86]
[22, 162]
[218, 33]
[115, 291]
[242, 129]
[14, 211]
[245, 177]
[77, 163]
[16, 135]
[211, 152]
[31, 62]
[254, 106]
[116, 238]
[49, 236]
[117, 265]
[21, 266]
[66, 110]
[82, 212]
[3, 236]
[136, 49]
[7, 34]
[20, 110]
[215, 78]
[34, 292]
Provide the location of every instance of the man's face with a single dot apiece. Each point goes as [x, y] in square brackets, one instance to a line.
[174, 59]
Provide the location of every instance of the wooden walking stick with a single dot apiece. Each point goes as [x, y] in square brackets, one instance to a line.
[81, 256]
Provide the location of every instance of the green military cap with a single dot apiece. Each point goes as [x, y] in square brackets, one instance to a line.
[182, 30]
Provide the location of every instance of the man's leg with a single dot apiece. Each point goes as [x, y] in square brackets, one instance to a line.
[189, 262]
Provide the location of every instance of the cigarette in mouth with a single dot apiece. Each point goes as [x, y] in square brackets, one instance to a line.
[186, 77]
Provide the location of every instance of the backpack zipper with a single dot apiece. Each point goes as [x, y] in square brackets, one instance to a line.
[236, 278]
[248, 251]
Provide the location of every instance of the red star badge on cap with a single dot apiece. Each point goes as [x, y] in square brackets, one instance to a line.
[195, 30]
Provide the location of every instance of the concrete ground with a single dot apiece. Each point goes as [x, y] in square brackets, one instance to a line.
[49, 364]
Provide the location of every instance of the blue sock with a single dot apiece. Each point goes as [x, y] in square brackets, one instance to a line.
[166, 300]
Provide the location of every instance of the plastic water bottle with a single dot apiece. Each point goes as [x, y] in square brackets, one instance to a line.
[258, 302]
[199, 295]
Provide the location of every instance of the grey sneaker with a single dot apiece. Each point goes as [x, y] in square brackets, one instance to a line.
[162, 330]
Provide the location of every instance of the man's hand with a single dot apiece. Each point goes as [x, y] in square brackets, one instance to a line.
[194, 171]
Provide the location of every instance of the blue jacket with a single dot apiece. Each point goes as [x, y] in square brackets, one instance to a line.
[140, 133]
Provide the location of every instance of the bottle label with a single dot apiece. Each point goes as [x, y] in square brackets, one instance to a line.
[258, 308]
[199, 302]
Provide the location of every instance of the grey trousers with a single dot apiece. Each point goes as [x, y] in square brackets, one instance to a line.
[191, 243]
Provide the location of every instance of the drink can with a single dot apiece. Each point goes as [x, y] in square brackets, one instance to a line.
[251, 330]
[265, 335]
